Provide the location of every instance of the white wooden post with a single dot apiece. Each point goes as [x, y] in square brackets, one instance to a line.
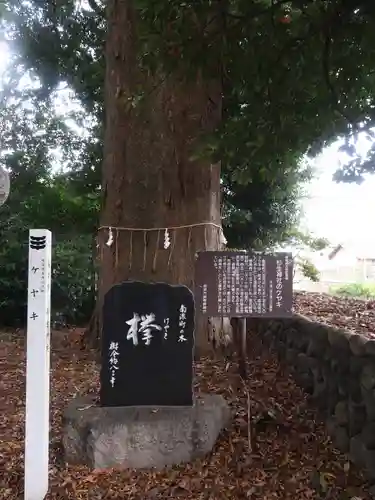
[38, 365]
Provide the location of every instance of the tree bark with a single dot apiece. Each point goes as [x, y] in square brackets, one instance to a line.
[149, 179]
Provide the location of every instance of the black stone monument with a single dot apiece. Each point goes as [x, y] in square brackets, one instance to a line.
[147, 345]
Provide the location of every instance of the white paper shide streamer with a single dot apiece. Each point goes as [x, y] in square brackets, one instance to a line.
[167, 240]
[167, 244]
[223, 240]
[109, 242]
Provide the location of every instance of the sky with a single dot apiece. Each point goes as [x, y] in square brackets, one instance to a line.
[342, 213]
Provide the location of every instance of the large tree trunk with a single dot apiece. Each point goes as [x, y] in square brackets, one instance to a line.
[149, 178]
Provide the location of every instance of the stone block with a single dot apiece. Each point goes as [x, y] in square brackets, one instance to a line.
[357, 451]
[340, 370]
[320, 393]
[141, 437]
[357, 417]
[267, 337]
[368, 376]
[368, 435]
[280, 352]
[342, 413]
[357, 344]
[340, 439]
[339, 435]
[276, 327]
[302, 363]
[354, 390]
[339, 339]
[369, 457]
[289, 335]
[371, 491]
[356, 364]
[369, 402]
[297, 339]
[343, 389]
[306, 381]
[291, 356]
[318, 341]
[370, 347]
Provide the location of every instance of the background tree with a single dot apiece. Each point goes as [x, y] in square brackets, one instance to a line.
[270, 106]
[301, 241]
[40, 200]
[262, 213]
[309, 81]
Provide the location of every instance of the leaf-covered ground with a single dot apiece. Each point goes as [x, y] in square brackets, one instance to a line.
[292, 457]
[352, 314]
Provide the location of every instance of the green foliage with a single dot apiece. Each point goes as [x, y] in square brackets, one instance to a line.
[257, 210]
[34, 140]
[308, 269]
[73, 294]
[302, 240]
[39, 199]
[288, 89]
[260, 213]
[73, 279]
[72, 290]
[354, 290]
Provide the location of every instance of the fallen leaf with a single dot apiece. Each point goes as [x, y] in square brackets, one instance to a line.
[285, 454]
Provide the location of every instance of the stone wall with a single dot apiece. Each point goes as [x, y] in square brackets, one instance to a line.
[337, 368]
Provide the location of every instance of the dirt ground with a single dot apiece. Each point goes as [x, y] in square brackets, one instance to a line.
[291, 456]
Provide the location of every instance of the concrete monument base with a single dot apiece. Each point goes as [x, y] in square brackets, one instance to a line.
[141, 437]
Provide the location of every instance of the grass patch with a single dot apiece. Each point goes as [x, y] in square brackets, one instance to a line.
[354, 290]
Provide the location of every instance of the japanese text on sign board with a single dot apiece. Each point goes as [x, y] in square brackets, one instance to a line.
[241, 280]
[147, 345]
[113, 361]
[244, 284]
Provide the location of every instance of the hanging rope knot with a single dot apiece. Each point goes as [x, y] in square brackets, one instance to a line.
[168, 243]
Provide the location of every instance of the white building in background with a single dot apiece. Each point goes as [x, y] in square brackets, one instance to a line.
[346, 262]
